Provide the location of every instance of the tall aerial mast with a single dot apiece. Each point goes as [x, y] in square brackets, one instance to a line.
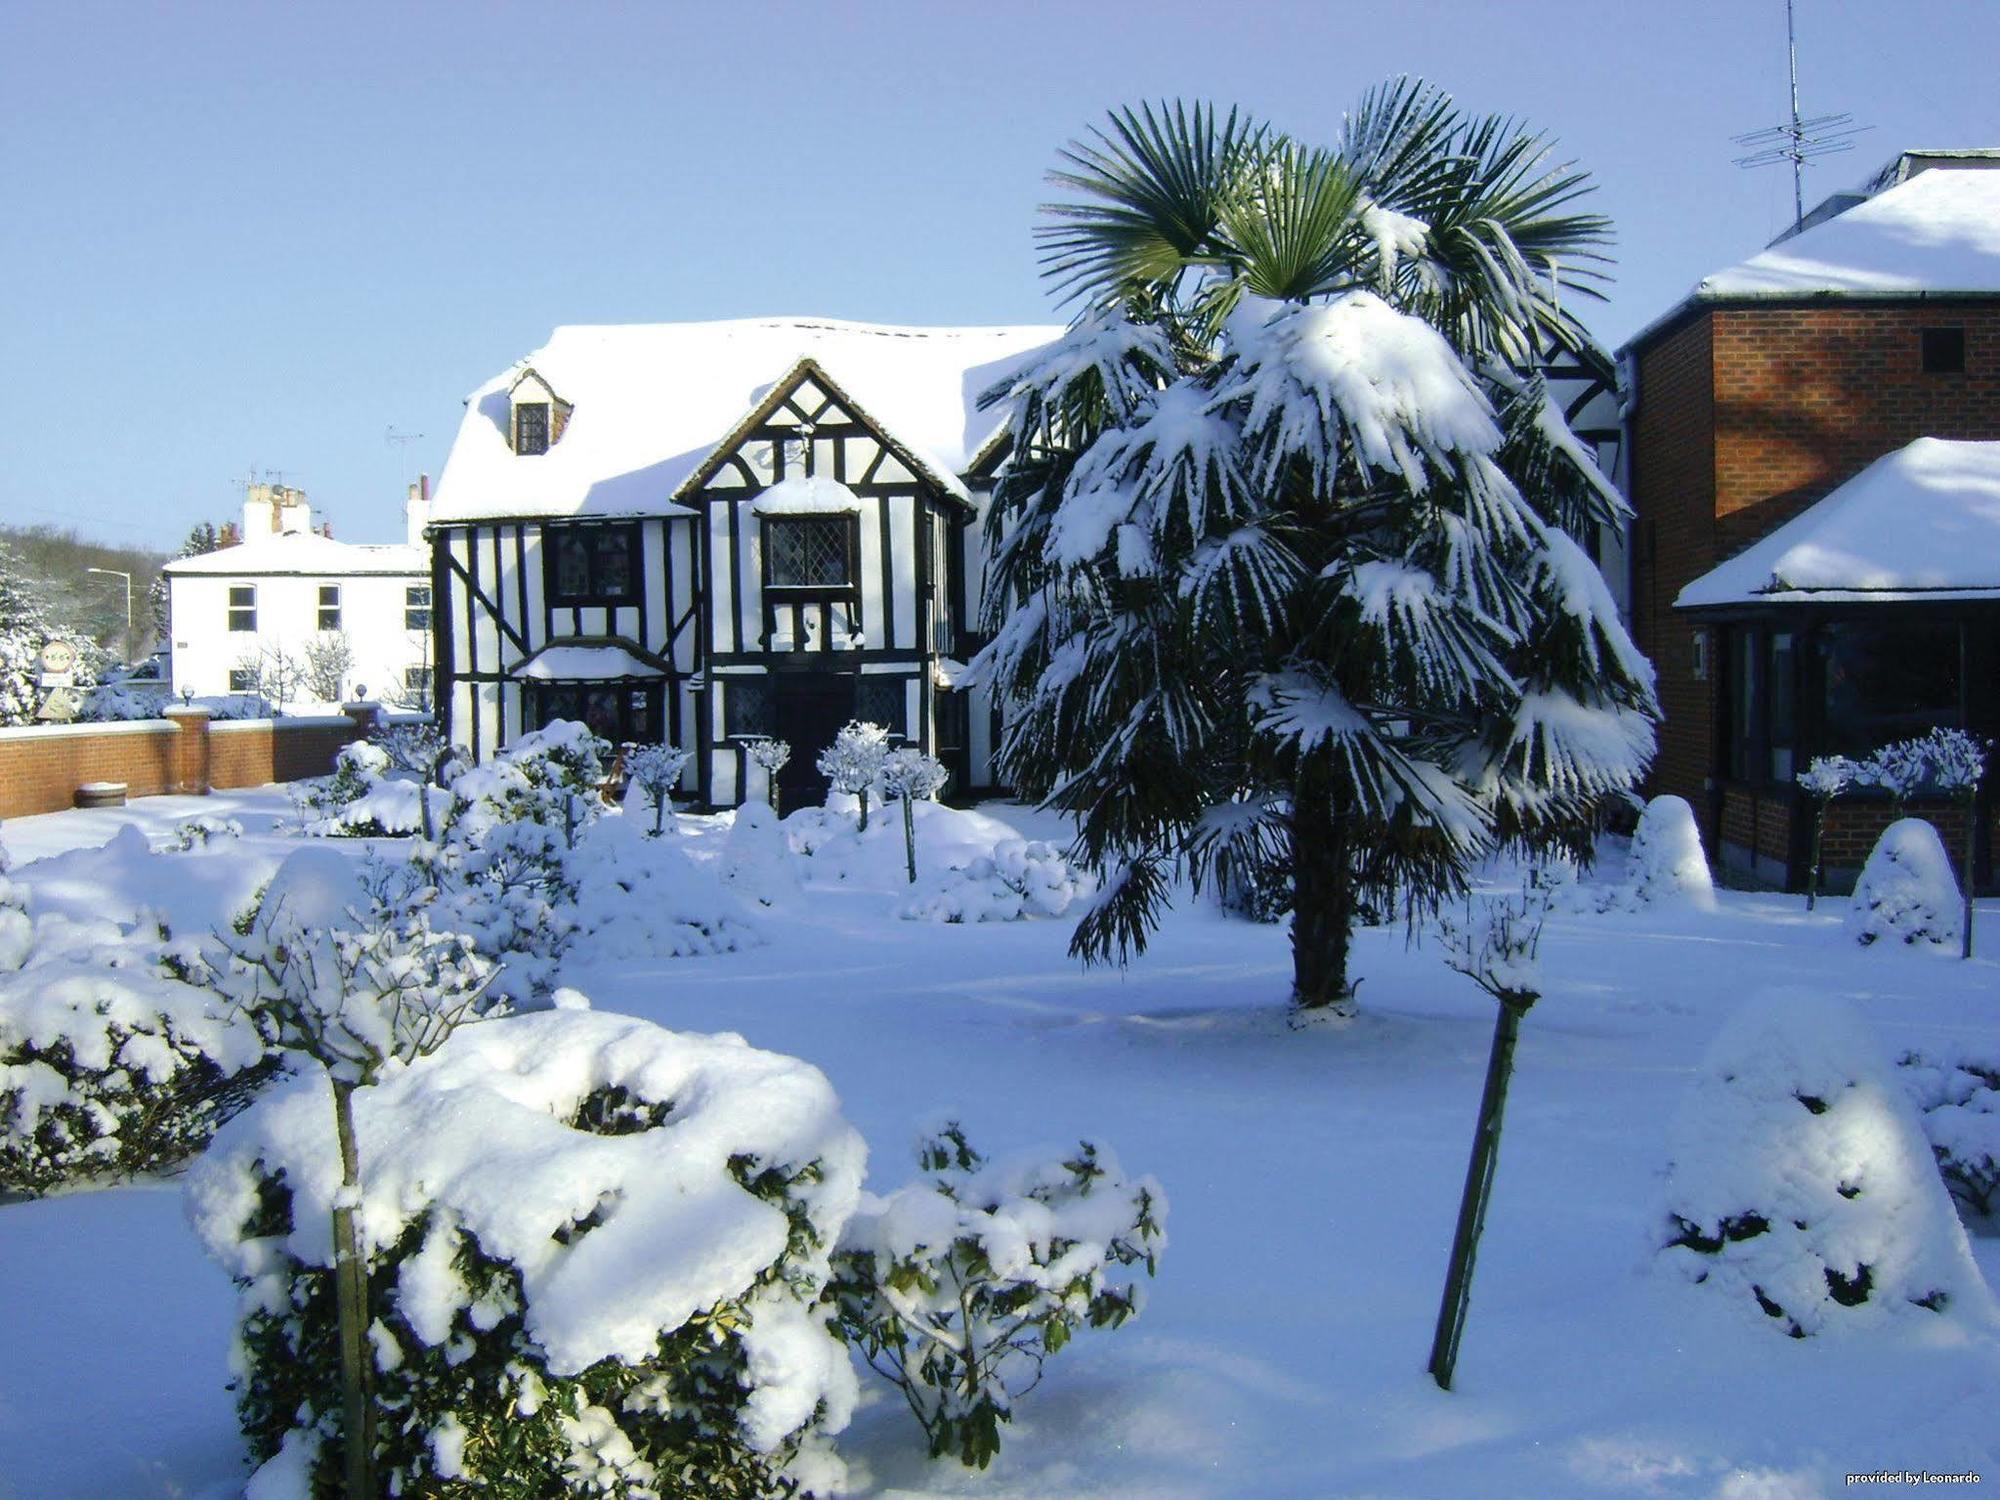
[1797, 141]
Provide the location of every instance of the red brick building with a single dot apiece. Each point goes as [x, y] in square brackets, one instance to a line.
[1774, 384]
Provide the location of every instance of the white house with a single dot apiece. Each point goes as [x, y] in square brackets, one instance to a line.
[256, 617]
[706, 532]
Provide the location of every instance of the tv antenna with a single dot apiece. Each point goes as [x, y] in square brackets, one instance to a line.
[402, 441]
[1798, 141]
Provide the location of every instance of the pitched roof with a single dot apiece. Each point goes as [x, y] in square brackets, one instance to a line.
[1920, 523]
[651, 401]
[304, 552]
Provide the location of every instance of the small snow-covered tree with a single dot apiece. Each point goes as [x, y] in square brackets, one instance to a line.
[326, 972]
[853, 762]
[656, 770]
[909, 776]
[1906, 894]
[770, 756]
[326, 661]
[958, 1289]
[1801, 1183]
[1666, 865]
[1286, 532]
[1825, 779]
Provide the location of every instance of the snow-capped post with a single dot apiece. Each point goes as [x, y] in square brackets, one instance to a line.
[853, 761]
[1957, 764]
[770, 756]
[327, 968]
[656, 771]
[1494, 945]
[1826, 778]
[907, 775]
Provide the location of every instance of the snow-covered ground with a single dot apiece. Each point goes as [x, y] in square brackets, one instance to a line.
[1314, 1177]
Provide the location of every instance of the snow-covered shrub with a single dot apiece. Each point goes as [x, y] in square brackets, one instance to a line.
[770, 756]
[652, 772]
[1801, 1183]
[596, 1255]
[637, 899]
[853, 762]
[957, 1289]
[551, 776]
[115, 703]
[109, 1064]
[910, 776]
[199, 833]
[1665, 866]
[1906, 894]
[1959, 1104]
[1021, 878]
[756, 860]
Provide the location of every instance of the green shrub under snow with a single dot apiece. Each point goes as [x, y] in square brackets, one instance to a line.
[596, 1255]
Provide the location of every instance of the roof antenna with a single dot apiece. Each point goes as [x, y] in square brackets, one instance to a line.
[1797, 141]
[402, 440]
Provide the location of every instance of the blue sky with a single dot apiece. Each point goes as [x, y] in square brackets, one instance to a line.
[241, 236]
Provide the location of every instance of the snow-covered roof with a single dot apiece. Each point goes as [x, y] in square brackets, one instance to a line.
[1939, 231]
[807, 495]
[598, 663]
[651, 401]
[1921, 523]
[305, 552]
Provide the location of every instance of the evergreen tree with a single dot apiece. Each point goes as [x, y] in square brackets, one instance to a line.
[26, 625]
[1284, 573]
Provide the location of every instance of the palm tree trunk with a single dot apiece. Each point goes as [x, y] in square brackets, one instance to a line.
[350, 1296]
[1323, 905]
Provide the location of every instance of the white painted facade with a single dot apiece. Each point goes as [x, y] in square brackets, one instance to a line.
[239, 610]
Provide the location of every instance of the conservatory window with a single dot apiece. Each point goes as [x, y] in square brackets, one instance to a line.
[1888, 682]
[243, 606]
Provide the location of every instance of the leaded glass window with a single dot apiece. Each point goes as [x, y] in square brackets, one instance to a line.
[592, 564]
[808, 551]
[531, 427]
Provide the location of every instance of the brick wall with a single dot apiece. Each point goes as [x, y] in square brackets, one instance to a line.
[1673, 492]
[42, 767]
[1763, 822]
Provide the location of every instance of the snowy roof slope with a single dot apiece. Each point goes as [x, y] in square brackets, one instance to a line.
[1922, 522]
[305, 552]
[652, 400]
[1939, 231]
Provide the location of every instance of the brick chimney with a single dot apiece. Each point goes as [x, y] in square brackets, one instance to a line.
[417, 510]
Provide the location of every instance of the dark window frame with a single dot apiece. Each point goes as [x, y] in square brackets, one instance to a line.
[242, 615]
[848, 525]
[543, 702]
[531, 427]
[416, 616]
[1942, 350]
[591, 537]
[243, 679]
[329, 614]
[749, 707]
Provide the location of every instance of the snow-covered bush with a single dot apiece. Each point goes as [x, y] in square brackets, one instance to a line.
[853, 762]
[368, 796]
[109, 1064]
[1665, 867]
[1959, 1104]
[770, 756]
[636, 899]
[1020, 879]
[957, 1289]
[199, 833]
[552, 776]
[756, 860]
[1801, 1183]
[1906, 894]
[652, 773]
[115, 703]
[910, 776]
[596, 1252]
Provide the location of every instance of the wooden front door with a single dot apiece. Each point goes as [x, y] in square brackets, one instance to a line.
[811, 706]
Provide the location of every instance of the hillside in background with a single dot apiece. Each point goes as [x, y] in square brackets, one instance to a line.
[57, 558]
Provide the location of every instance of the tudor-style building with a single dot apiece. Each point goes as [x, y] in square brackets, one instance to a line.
[1815, 448]
[706, 532]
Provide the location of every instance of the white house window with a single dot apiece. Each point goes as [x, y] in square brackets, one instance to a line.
[592, 564]
[242, 679]
[417, 607]
[243, 606]
[531, 427]
[808, 551]
[329, 606]
[416, 679]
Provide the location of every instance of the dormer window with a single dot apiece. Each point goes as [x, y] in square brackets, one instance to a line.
[531, 427]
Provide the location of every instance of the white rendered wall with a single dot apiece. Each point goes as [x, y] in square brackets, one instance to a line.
[206, 650]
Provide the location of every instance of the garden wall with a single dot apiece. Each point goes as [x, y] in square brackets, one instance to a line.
[42, 767]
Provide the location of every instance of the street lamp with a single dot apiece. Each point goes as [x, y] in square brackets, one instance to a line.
[120, 573]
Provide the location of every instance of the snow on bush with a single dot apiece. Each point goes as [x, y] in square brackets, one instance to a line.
[756, 860]
[369, 795]
[638, 899]
[1959, 1103]
[551, 776]
[957, 1289]
[597, 1250]
[1907, 894]
[1664, 867]
[1019, 879]
[652, 772]
[853, 762]
[109, 1064]
[1801, 1183]
[199, 833]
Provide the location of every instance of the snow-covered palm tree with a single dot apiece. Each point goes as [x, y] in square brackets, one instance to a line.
[1284, 578]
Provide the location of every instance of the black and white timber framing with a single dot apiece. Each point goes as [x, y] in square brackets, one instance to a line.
[722, 648]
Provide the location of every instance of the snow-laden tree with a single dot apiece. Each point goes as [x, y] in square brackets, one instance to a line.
[27, 624]
[203, 538]
[1285, 571]
[655, 770]
[770, 756]
[853, 762]
[909, 776]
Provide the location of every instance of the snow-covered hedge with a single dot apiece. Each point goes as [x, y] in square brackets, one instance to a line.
[637, 898]
[1801, 1184]
[1907, 894]
[109, 1065]
[1959, 1103]
[1021, 878]
[597, 1253]
[957, 1289]
[756, 860]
